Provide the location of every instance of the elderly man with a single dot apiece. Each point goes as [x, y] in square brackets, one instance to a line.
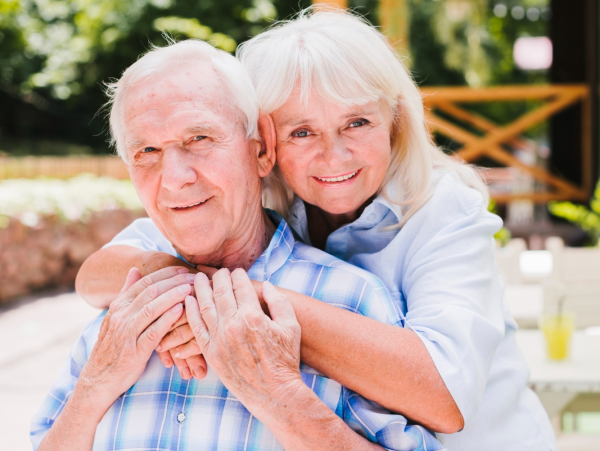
[184, 119]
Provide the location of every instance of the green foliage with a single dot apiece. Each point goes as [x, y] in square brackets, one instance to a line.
[72, 199]
[54, 54]
[503, 235]
[588, 219]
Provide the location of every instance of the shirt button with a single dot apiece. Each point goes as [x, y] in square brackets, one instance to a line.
[181, 417]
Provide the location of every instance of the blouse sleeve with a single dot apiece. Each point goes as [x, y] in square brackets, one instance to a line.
[452, 289]
[143, 234]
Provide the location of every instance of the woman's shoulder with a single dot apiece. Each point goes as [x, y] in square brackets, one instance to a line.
[449, 188]
[451, 201]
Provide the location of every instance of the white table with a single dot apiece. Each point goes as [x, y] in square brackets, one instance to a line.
[557, 383]
[525, 303]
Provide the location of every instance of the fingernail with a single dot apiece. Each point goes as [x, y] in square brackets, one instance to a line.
[185, 373]
[184, 288]
[177, 354]
[197, 371]
[158, 348]
[182, 270]
[177, 308]
[167, 363]
[191, 277]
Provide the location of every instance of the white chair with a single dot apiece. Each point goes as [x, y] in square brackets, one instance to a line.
[573, 263]
[507, 259]
[581, 298]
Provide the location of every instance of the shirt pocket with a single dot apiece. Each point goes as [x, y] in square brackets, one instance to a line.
[328, 390]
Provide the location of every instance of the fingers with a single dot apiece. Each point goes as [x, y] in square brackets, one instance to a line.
[165, 358]
[280, 307]
[198, 366]
[187, 350]
[153, 310]
[157, 289]
[197, 323]
[223, 294]
[157, 276]
[205, 305]
[176, 337]
[182, 367]
[133, 276]
[181, 321]
[149, 339]
[244, 292]
[208, 270]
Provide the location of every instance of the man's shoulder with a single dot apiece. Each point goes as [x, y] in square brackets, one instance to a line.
[327, 262]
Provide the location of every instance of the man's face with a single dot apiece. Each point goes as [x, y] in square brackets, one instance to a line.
[190, 161]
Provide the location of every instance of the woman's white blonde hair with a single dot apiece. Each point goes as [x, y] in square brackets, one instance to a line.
[349, 62]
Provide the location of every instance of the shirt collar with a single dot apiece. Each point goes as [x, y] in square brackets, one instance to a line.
[275, 255]
[373, 214]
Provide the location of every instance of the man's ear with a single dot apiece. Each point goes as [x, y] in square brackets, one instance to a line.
[267, 140]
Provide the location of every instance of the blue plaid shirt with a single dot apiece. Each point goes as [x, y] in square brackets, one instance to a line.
[162, 411]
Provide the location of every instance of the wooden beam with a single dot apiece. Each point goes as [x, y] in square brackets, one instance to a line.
[502, 93]
[394, 17]
[338, 3]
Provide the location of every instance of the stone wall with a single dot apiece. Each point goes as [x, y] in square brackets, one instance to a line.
[50, 254]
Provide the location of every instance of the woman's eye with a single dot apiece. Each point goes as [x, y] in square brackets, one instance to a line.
[149, 149]
[300, 134]
[198, 138]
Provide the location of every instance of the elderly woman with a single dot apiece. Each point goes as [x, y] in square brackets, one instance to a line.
[359, 176]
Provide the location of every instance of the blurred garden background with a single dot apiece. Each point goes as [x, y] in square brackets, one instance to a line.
[510, 85]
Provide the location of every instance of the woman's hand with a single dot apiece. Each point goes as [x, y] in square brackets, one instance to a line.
[132, 328]
[257, 358]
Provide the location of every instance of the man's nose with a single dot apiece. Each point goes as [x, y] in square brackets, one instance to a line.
[177, 169]
[335, 152]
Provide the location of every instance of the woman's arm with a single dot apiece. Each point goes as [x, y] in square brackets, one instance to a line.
[102, 275]
[387, 364]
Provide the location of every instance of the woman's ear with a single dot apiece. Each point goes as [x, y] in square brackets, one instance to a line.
[267, 139]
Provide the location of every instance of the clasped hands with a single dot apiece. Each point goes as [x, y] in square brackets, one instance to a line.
[254, 355]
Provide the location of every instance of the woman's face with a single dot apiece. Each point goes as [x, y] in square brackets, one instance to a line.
[334, 157]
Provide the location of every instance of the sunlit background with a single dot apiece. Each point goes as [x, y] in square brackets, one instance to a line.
[510, 85]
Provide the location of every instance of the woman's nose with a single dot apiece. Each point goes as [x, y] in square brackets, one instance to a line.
[335, 152]
[177, 169]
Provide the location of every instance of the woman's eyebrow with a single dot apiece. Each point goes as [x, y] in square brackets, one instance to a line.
[295, 122]
[362, 112]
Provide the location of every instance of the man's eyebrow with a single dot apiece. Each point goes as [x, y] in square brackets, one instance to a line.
[199, 129]
[134, 143]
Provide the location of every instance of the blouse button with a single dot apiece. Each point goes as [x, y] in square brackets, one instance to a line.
[181, 417]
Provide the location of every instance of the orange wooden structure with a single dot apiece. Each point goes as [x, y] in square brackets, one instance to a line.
[492, 138]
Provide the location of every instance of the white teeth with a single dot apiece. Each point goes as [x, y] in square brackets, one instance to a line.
[189, 206]
[338, 179]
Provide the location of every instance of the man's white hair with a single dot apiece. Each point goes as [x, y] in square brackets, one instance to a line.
[349, 62]
[158, 60]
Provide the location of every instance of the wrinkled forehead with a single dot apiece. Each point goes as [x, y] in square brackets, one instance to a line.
[183, 88]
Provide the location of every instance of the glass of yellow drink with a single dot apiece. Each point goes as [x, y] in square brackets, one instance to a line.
[558, 330]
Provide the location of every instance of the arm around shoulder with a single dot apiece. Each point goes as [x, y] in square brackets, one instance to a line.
[102, 275]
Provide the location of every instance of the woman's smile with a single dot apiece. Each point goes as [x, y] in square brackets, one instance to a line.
[338, 180]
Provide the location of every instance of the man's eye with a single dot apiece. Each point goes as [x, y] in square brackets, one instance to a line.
[149, 149]
[198, 138]
[300, 134]
[358, 123]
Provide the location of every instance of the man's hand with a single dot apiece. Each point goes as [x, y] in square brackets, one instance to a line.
[256, 357]
[132, 328]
